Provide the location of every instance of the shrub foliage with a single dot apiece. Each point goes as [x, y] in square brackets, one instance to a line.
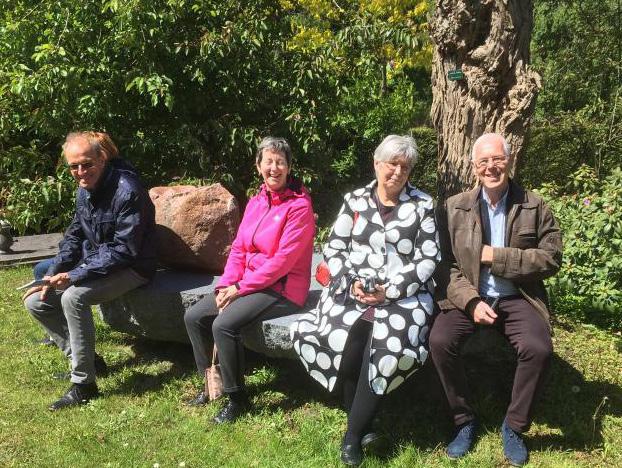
[591, 221]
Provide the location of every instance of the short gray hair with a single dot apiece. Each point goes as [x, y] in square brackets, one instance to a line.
[396, 146]
[278, 145]
[96, 148]
[486, 136]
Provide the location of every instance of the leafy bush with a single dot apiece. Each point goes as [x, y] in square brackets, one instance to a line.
[557, 148]
[186, 88]
[591, 222]
[30, 200]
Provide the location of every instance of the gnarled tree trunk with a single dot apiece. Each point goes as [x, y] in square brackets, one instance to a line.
[489, 41]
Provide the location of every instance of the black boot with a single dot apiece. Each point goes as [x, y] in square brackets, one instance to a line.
[351, 452]
[237, 405]
[199, 400]
[78, 394]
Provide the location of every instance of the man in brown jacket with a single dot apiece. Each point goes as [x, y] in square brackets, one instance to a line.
[499, 242]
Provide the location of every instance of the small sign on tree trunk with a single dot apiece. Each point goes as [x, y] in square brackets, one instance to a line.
[455, 75]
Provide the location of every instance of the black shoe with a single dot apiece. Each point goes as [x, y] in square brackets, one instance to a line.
[351, 454]
[101, 370]
[232, 411]
[199, 400]
[78, 394]
[371, 441]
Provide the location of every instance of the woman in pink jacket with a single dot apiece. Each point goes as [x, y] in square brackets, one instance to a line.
[267, 274]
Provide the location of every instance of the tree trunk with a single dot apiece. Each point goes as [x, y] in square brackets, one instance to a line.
[489, 41]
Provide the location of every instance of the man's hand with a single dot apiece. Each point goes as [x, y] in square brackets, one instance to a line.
[58, 281]
[226, 296]
[484, 314]
[375, 298]
[32, 290]
[487, 252]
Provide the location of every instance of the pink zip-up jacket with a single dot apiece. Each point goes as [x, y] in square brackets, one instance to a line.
[274, 245]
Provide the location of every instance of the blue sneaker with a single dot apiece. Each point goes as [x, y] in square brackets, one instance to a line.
[513, 446]
[463, 441]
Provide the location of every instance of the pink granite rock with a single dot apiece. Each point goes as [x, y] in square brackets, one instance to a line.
[195, 226]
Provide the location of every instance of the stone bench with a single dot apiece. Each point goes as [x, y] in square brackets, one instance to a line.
[156, 311]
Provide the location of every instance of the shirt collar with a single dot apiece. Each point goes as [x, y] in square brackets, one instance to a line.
[502, 202]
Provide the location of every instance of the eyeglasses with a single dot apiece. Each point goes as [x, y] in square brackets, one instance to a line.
[85, 166]
[496, 161]
[393, 165]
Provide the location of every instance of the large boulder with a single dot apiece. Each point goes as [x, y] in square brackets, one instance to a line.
[195, 226]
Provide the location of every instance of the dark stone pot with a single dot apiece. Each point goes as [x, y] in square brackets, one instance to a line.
[6, 239]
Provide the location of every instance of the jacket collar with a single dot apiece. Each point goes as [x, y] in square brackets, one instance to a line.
[103, 184]
[293, 189]
[370, 211]
[517, 195]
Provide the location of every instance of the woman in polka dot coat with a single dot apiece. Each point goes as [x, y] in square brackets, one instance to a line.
[368, 342]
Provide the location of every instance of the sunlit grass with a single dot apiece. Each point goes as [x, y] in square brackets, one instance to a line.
[140, 420]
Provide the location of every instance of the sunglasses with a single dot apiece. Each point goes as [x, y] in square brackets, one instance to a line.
[85, 166]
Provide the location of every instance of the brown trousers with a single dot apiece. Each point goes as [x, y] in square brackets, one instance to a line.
[526, 331]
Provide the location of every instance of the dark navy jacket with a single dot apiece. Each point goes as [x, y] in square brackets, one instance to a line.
[112, 229]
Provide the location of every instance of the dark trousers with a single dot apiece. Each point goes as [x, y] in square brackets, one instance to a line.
[202, 321]
[528, 334]
[358, 399]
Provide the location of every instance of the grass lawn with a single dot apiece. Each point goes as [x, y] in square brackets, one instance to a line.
[140, 421]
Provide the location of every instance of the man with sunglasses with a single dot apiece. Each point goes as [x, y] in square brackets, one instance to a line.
[106, 251]
[499, 241]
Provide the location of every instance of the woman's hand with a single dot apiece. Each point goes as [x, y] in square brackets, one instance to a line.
[226, 296]
[375, 298]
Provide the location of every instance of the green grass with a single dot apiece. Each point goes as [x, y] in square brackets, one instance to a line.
[140, 420]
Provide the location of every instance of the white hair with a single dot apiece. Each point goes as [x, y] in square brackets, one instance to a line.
[486, 136]
[397, 146]
[94, 145]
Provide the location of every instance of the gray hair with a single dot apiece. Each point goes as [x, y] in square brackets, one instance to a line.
[396, 146]
[96, 148]
[278, 145]
[486, 136]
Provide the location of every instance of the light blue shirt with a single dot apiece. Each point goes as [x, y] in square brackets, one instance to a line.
[494, 229]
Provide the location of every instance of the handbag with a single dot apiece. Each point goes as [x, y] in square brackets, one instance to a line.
[322, 274]
[213, 379]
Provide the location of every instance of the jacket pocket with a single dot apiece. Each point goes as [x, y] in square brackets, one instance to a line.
[525, 239]
[104, 227]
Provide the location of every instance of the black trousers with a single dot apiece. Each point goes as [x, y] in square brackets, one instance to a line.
[203, 321]
[528, 334]
[359, 400]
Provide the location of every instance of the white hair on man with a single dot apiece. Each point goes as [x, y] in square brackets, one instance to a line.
[88, 136]
[485, 138]
[397, 146]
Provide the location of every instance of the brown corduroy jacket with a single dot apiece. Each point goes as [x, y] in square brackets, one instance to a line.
[533, 249]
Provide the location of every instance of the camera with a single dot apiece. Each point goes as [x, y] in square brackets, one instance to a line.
[368, 283]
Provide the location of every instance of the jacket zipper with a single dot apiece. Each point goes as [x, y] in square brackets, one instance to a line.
[257, 227]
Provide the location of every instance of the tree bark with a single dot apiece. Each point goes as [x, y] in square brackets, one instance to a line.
[489, 41]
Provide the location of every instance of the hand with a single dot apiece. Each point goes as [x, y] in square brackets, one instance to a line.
[32, 290]
[375, 298]
[226, 296]
[487, 253]
[484, 314]
[58, 281]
